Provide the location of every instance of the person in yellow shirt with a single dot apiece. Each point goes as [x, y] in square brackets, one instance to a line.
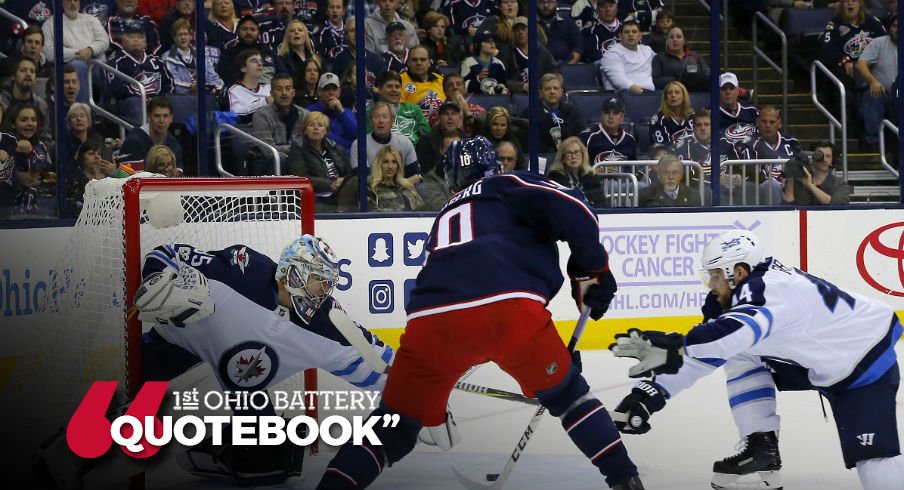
[421, 86]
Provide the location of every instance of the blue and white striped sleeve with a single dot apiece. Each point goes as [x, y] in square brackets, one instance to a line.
[735, 331]
[161, 258]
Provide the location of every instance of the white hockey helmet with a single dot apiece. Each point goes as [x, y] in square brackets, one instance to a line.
[729, 249]
[309, 270]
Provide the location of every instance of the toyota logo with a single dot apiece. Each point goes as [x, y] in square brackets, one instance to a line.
[880, 259]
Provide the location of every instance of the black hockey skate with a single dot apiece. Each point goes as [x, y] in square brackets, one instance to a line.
[760, 457]
[632, 483]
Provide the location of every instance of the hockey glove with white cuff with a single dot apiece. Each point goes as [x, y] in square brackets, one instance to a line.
[174, 298]
[658, 352]
[632, 415]
[595, 290]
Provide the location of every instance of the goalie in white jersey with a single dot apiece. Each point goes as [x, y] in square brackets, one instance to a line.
[774, 327]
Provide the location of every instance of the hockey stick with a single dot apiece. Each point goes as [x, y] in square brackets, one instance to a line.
[494, 393]
[499, 480]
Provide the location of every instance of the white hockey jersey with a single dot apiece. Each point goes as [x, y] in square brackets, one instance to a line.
[843, 339]
[250, 340]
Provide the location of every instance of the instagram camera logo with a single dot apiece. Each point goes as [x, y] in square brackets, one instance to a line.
[381, 296]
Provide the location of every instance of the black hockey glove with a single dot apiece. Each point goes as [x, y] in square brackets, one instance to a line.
[658, 352]
[594, 290]
[632, 415]
[711, 307]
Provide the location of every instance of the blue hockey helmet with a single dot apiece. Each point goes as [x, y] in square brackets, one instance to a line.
[309, 270]
[468, 161]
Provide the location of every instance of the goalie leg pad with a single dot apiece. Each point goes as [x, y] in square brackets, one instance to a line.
[358, 466]
[589, 426]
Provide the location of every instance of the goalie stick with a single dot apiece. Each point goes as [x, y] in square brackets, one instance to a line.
[528, 432]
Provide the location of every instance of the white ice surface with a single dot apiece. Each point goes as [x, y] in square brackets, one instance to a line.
[691, 432]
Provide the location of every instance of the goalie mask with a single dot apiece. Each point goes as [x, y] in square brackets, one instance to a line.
[727, 250]
[468, 161]
[309, 270]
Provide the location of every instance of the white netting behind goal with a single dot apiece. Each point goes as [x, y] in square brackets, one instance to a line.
[81, 337]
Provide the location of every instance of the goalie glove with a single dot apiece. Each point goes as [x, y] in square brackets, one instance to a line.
[595, 290]
[632, 415]
[174, 298]
[658, 352]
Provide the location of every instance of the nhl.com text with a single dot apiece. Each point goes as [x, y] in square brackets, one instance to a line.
[140, 432]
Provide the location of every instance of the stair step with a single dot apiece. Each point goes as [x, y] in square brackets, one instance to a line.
[875, 193]
[871, 176]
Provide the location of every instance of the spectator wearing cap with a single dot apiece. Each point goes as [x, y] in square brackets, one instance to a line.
[608, 142]
[679, 63]
[562, 34]
[127, 19]
[375, 26]
[878, 65]
[442, 52]
[421, 85]
[382, 118]
[669, 190]
[21, 91]
[248, 38]
[134, 61]
[515, 57]
[601, 31]
[658, 36]
[471, 113]
[409, 120]
[32, 161]
[343, 125]
[642, 11]
[738, 120]
[627, 67]
[466, 16]
[558, 119]
[139, 140]
[396, 56]
[483, 72]
[430, 148]
[84, 39]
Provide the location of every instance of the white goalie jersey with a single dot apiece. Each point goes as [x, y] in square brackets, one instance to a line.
[843, 339]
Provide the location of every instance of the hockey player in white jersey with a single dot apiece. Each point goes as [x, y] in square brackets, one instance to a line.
[777, 328]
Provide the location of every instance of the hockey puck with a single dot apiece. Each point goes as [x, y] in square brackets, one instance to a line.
[492, 476]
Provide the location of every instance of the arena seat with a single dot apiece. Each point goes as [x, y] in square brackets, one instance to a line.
[490, 101]
[642, 135]
[588, 104]
[519, 104]
[639, 108]
[184, 106]
[583, 76]
[699, 100]
[445, 70]
[802, 22]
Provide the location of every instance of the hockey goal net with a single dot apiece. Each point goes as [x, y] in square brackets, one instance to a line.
[86, 333]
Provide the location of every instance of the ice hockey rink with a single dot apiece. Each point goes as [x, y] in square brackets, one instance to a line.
[691, 432]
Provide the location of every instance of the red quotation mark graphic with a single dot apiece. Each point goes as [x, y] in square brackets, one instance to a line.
[88, 432]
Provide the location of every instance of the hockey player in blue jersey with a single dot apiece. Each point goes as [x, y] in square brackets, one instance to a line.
[491, 269]
[775, 327]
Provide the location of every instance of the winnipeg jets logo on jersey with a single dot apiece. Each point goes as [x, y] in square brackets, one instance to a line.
[240, 258]
[248, 365]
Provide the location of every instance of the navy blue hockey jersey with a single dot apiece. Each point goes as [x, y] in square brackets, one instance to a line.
[667, 130]
[329, 40]
[497, 239]
[689, 148]
[470, 13]
[271, 31]
[150, 71]
[601, 147]
[784, 149]
[116, 26]
[597, 38]
[738, 126]
[641, 10]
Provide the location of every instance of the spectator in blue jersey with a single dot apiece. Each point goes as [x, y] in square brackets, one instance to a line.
[32, 163]
[305, 83]
[330, 36]
[601, 31]
[770, 144]
[182, 63]
[21, 91]
[375, 26]
[442, 51]
[396, 56]
[248, 38]
[563, 37]
[311, 12]
[643, 11]
[84, 39]
[515, 56]
[319, 159]
[558, 119]
[678, 63]
[465, 17]
[183, 9]
[818, 183]
[273, 25]
[296, 48]
[483, 72]
[608, 142]
[675, 117]
[343, 125]
[156, 132]
[119, 24]
[878, 65]
[382, 118]
[387, 189]
[572, 169]
[584, 12]
[658, 36]
[697, 148]
[738, 121]
[222, 24]
[135, 62]
[502, 237]
[627, 66]
[669, 190]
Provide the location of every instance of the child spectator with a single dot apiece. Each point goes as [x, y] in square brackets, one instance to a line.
[658, 36]
[126, 20]
[484, 73]
[250, 93]
[679, 63]
[675, 117]
[183, 65]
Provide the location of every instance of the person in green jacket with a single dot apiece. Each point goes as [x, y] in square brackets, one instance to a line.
[410, 120]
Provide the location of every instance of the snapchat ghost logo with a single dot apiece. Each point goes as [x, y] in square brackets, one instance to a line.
[379, 250]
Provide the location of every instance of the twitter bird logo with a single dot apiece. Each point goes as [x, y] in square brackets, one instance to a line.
[414, 248]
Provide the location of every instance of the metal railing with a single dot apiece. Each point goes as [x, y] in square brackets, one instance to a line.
[833, 121]
[690, 167]
[122, 123]
[894, 129]
[18, 20]
[759, 53]
[622, 189]
[731, 164]
[218, 150]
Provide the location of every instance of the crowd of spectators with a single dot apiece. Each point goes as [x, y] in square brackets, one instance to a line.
[286, 69]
